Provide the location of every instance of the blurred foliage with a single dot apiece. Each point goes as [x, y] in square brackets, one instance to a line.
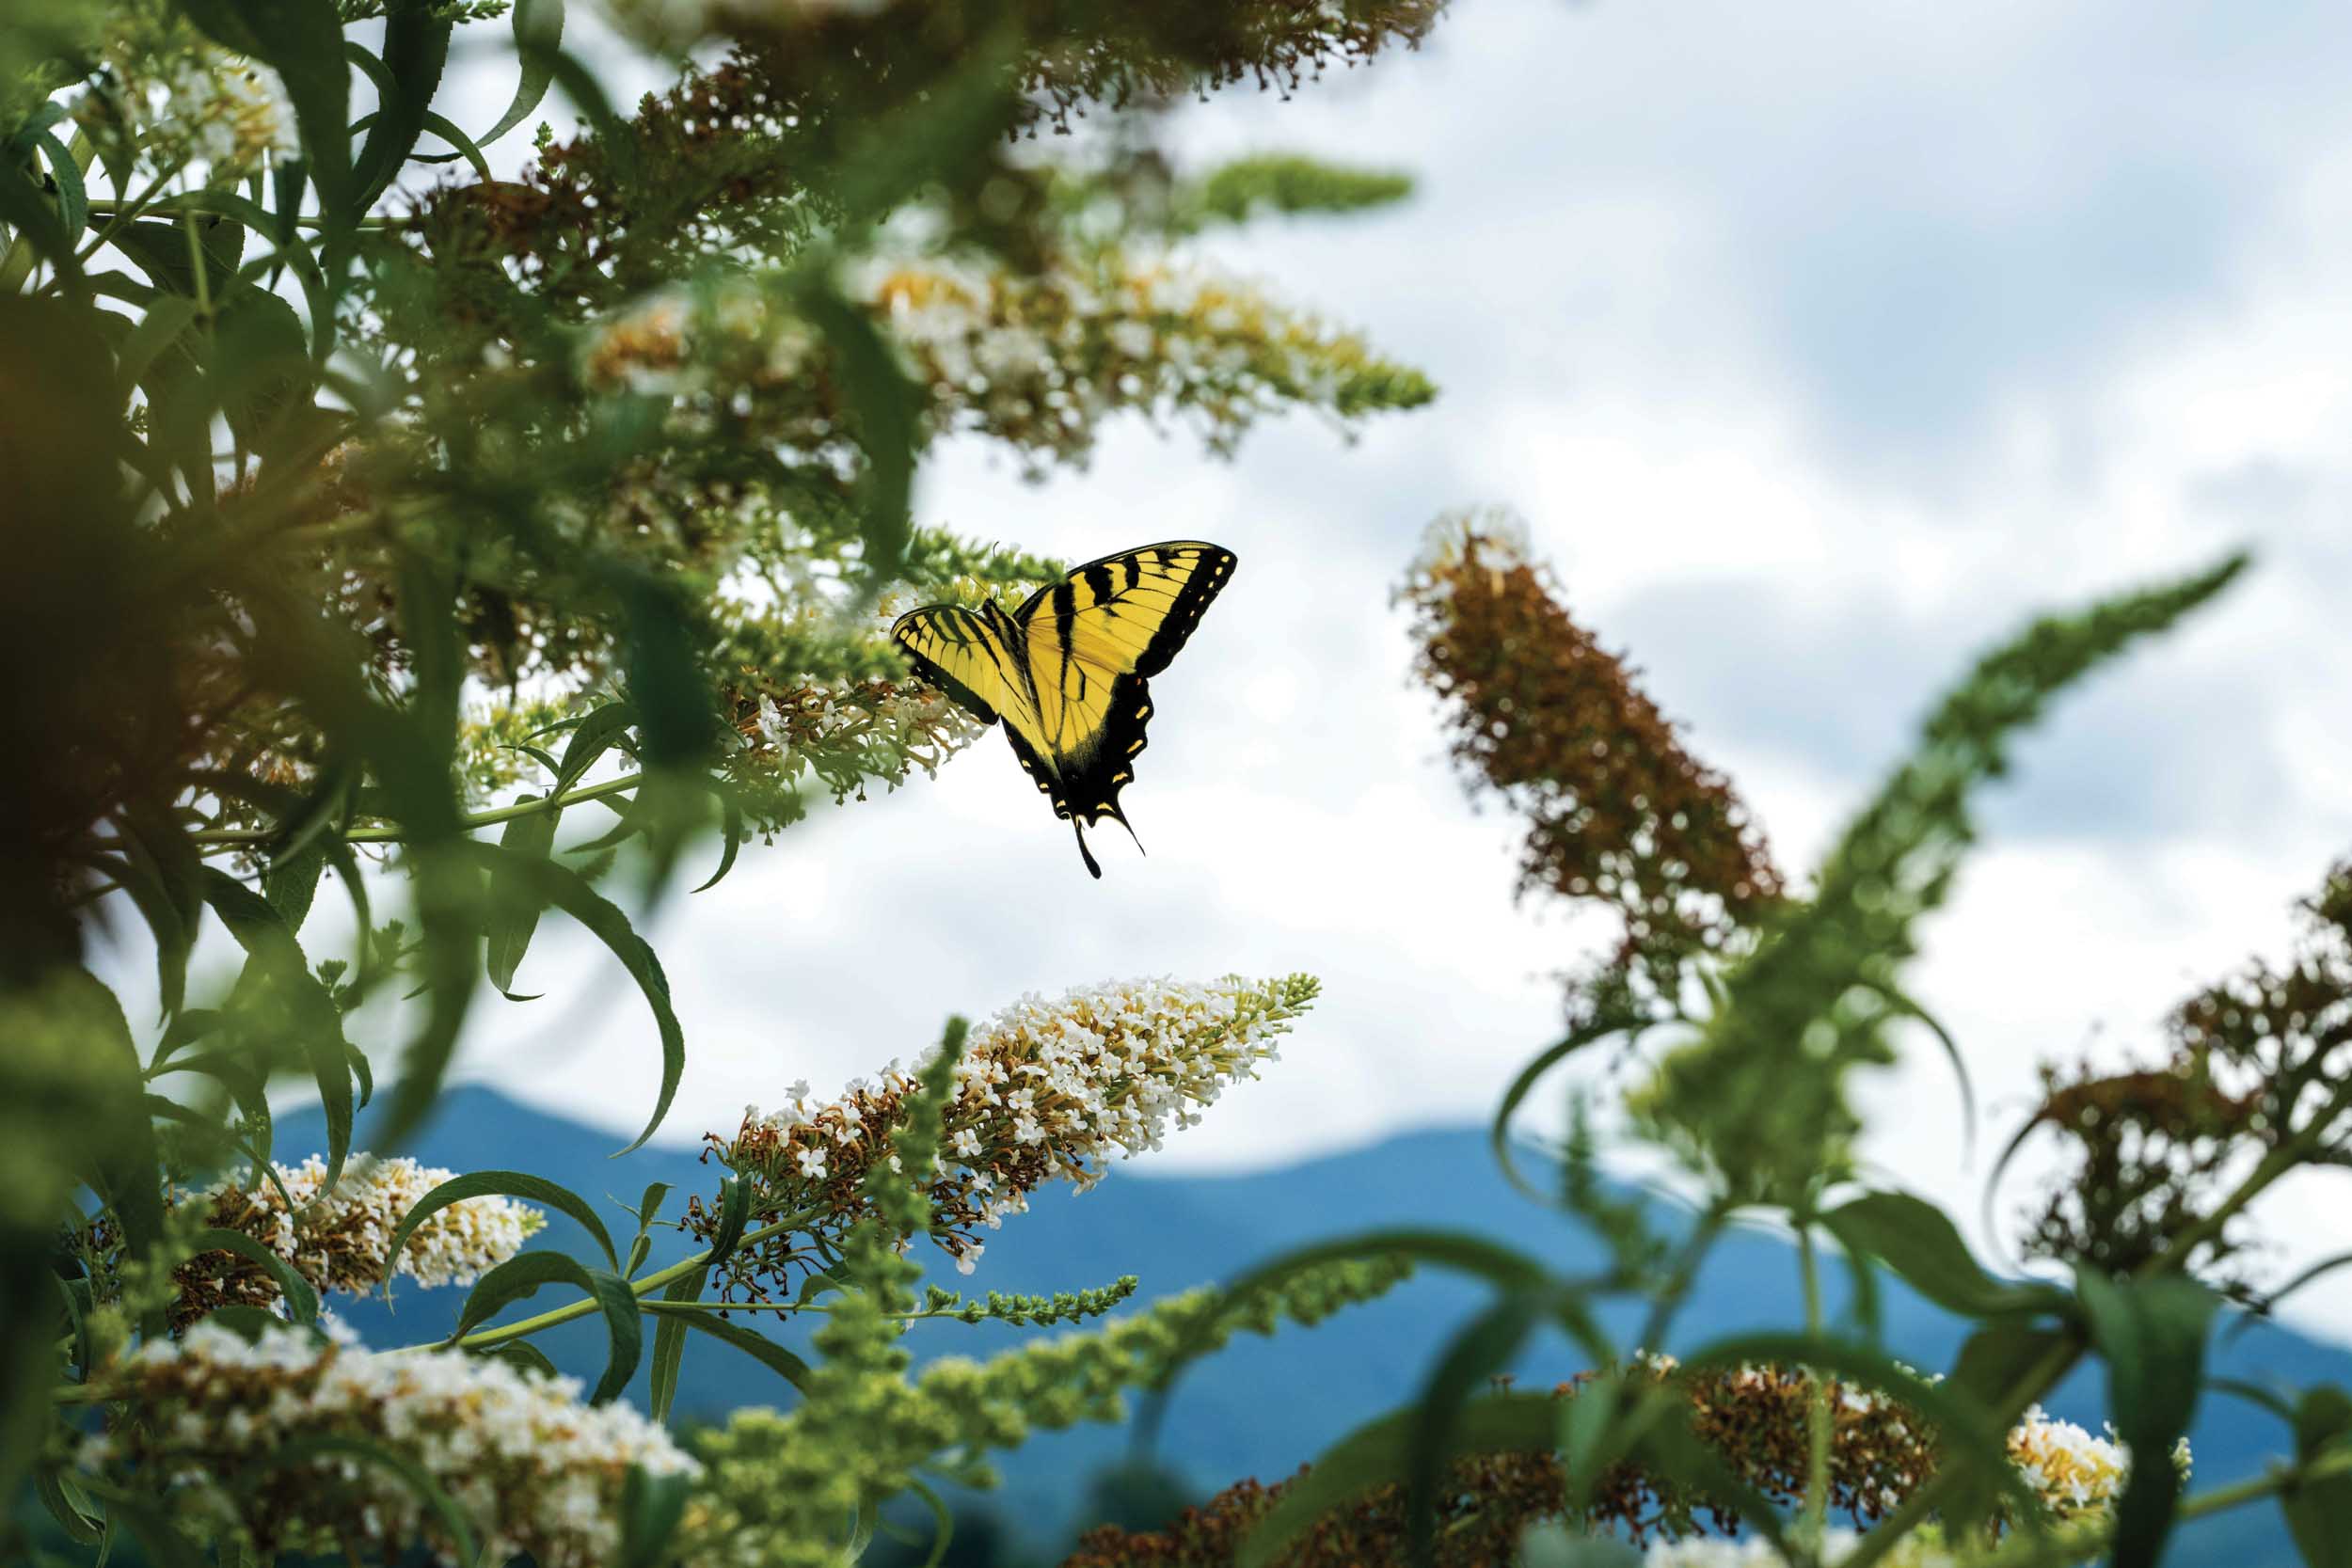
[480, 539]
[449, 531]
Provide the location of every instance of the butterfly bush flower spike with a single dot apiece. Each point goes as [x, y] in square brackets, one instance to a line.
[338, 1241]
[530, 1467]
[1047, 1090]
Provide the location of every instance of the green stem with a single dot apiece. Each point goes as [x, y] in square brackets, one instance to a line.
[169, 204]
[1817, 1413]
[483, 1339]
[658, 1307]
[2275, 1165]
[227, 837]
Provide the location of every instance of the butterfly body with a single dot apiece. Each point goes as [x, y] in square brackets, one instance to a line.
[1067, 673]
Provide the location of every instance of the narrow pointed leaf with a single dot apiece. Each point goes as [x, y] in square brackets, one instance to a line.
[564, 889]
[503, 1183]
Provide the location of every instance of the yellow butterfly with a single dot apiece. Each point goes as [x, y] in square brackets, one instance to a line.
[1067, 671]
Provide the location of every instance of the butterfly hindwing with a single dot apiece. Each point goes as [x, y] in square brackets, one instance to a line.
[1068, 672]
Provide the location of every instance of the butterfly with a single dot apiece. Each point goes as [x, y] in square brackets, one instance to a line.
[1068, 671]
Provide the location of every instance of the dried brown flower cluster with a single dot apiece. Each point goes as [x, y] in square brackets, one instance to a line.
[1755, 1417]
[2253, 1061]
[1617, 810]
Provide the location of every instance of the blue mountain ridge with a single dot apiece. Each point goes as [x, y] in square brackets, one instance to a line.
[1262, 1407]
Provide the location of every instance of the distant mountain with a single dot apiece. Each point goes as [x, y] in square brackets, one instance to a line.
[1263, 1408]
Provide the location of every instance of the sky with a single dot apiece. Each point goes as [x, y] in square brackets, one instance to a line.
[1819, 346]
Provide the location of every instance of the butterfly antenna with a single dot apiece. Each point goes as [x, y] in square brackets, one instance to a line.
[1084, 853]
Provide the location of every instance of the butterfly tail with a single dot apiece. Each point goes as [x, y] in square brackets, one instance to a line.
[1086, 854]
[1120, 817]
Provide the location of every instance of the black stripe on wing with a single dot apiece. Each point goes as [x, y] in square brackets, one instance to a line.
[1214, 567]
[956, 625]
[1113, 577]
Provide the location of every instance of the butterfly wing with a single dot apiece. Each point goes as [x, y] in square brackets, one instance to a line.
[978, 659]
[965, 656]
[1092, 643]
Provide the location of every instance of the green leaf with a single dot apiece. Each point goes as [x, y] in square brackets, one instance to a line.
[513, 912]
[649, 1207]
[1377, 1454]
[275, 958]
[1481, 1348]
[538, 41]
[292, 883]
[124, 1167]
[503, 1183]
[596, 735]
[521, 1276]
[1920, 1242]
[167, 863]
[69, 1506]
[260, 368]
[749, 1341]
[731, 826]
[2319, 1511]
[166, 250]
[566, 890]
[416, 48]
[943, 1524]
[248, 1323]
[162, 326]
[669, 1343]
[31, 215]
[884, 404]
[1499, 1135]
[524, 1356]
[467, 147]
[159, 1539]
[651, 1507]
[73, 195]
[302, 1300]
[2151, 1334]
[1995, 1360]
[735, 1212]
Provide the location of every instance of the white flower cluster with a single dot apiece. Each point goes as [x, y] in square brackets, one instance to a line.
[340, 1242]
[916, 721]
[2072, 1471]
[1045, 1090]
[532, 1467]
[227, 116]
[1042, 360]
[1119, 1065]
